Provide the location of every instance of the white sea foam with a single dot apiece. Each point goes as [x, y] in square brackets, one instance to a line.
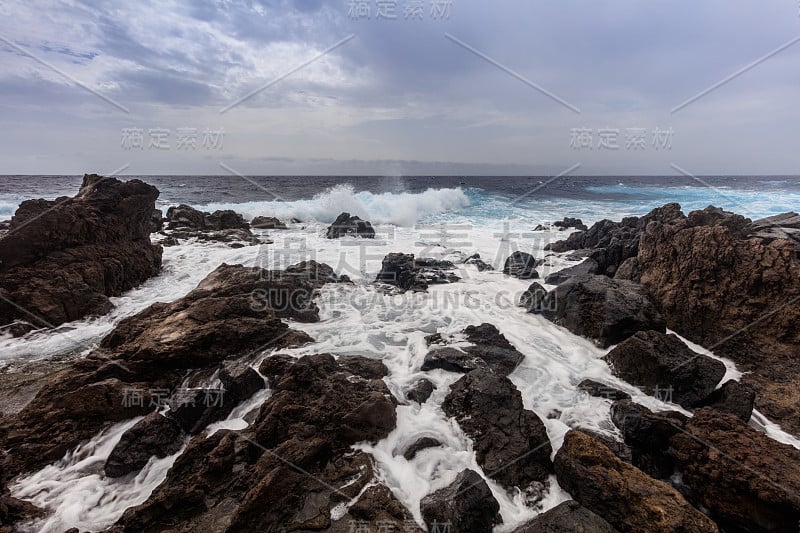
[402, 209]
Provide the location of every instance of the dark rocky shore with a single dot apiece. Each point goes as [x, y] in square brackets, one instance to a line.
[716, 278]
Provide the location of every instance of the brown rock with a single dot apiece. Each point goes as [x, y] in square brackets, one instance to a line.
[745, 478]
[621, 493]
[62, 259]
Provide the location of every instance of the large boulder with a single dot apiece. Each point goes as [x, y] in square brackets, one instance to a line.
[664, 366]
[748, 481]
[153, 436]
[567, 517]
[603, 309]
[723, 284]
[511, 443]
[61, 260]
[346, 225]
[467, 504]
[521, 265]
[235, 311]
[487, 348]
[621, 493]
[532, 298]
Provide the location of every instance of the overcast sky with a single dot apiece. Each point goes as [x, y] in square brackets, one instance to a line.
[462, 86]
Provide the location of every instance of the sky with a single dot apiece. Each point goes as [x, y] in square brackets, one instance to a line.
[394, 87]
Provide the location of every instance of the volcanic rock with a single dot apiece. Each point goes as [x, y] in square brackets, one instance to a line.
[489, 349]
[732, 398]
[521, 265]
[465, 505]
[154, 435]
[656, 363]
[567, 517]
[748, 481]
[601, 390]
[533, 297]
[62, 259]
[510, 442]
[621, 493]
[267, 223]
[345, 225]
[604, 309]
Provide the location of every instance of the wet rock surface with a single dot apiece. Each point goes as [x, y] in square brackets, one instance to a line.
[663, 365]
[604, 309]
[533, 297]
[420, 444]
[224, 317]
[267, 223]
[588, 266]
[521, 265]
[421, 391]
[602, 390]
[465, 505]
[62, 259]
[567, 517]
[622, 494]
[511, 443]
[732, 398]
[290, 468]
[153, 436]
[746, 479]
[488, 349]
[407, 273]
[346, 225]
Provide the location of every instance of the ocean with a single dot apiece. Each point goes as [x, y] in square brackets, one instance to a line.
[443, 217]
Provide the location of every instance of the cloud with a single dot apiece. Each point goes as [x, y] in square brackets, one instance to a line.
[401, 90]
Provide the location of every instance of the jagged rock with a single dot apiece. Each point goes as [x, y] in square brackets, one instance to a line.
[267, 223]
[62, 259]
[733, 398]
[419, 445]
[748, 481]
[510, 442]
[318, 273]
[291, 467]
[588, 266]
[345, 225]
[465, 505]
[621, 493]
[601, 308]
[479, 263]
[489, 349]
[614, 242]
[406, 273]
[783, 226]
[521, 265]
[154, 435]
[601, 390]
[421, 391]
[648, 435]
[569, 222]
[436, 264]
[153, 350]
[567, 517]
[227, 226]
[533, 297]
[240, 381]
[721, 285]
[656, 362]
[399, 270]
[617, 447]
